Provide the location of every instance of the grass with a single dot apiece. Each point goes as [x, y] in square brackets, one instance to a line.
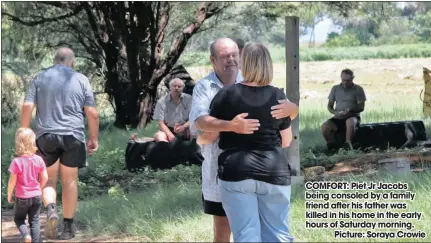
[157, 215]
[334, 53]
[314, 112]
[151, 213]
[166, 205]
[418, 184]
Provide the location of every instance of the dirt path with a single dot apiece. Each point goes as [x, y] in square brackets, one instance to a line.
[9, 232]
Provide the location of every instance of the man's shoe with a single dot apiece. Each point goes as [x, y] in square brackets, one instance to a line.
[348, 146]
[51, 223]
[69, 230]
[332, 147]
[26, 239]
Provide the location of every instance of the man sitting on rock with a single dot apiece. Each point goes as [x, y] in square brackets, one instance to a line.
[172, 113]
[349, 99]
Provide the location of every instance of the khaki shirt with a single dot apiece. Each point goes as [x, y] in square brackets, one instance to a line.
[172, 113]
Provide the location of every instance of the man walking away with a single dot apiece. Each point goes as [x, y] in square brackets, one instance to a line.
[61, 97]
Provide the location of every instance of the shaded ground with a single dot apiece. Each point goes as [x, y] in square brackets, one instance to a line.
[10, 233]
[367, 164]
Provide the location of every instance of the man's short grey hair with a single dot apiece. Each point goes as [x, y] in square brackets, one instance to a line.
[212, 49]
[64, 56]
[213, 45]
[176, 79]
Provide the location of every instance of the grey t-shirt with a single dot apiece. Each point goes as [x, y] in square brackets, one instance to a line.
[60, 94]
[346, 97]
[172, 113]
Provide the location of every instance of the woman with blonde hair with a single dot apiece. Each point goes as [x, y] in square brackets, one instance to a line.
[254, 173]
[28, 176]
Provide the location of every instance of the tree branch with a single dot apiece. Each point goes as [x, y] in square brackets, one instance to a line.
[205, 11]
[43, 20]
[163, 23]
[63, 5]
[216, 24]
[93, 23]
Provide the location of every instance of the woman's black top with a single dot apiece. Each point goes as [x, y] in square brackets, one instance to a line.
[259, 155]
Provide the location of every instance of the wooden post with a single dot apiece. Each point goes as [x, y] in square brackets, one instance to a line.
[427, 92]
[292, 93]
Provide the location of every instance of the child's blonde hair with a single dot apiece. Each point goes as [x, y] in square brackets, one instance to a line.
[25, 141]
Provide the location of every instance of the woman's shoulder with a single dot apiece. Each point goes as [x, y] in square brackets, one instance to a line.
[226, 90]
[277, 91]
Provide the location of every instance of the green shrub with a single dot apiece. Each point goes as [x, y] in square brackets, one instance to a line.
[343, 40]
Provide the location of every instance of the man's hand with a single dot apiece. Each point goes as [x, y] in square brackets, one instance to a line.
[342, 114]
[92, 146]
[171, 137]
[244, 126]
[345, 112]
[26, 112]
[284, 109]
[180, 129]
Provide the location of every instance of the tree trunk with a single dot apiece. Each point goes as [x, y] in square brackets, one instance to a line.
[146, 107]
[131, 35]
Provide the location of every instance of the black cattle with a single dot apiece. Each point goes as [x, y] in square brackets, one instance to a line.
[397, 134]
[161, 155]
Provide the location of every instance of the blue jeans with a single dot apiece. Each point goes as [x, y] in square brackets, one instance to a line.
[257, 211]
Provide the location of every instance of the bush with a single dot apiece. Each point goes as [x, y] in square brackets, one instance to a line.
[12, 92]
[347, 39]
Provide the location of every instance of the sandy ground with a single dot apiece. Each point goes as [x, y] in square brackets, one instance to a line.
[9, 232]
[376, 75]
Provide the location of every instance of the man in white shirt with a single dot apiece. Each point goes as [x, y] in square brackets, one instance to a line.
[225, 61]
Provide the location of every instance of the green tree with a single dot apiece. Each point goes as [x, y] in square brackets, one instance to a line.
[365, 18]
[126, 41]
[422, 26]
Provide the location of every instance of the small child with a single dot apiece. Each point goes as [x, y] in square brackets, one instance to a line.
[25, 171]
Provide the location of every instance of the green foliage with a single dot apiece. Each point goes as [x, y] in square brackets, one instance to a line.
[335, 53]
[179, 174]
[345, 39]
[7, 154]
[116, 192]
[332, 35]
[422, 26]
[12, 93]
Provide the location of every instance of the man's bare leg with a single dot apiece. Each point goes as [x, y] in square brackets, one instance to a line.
[221, 229]
[329, 130]
[160, 137]
[350, 130]
[69, 183]
[49, 197]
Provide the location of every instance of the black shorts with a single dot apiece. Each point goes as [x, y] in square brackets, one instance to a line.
[70, 151]
[179, 136]
[213, 208]
[341, 123]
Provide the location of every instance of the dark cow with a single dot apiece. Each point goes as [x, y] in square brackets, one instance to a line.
[161, 155]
